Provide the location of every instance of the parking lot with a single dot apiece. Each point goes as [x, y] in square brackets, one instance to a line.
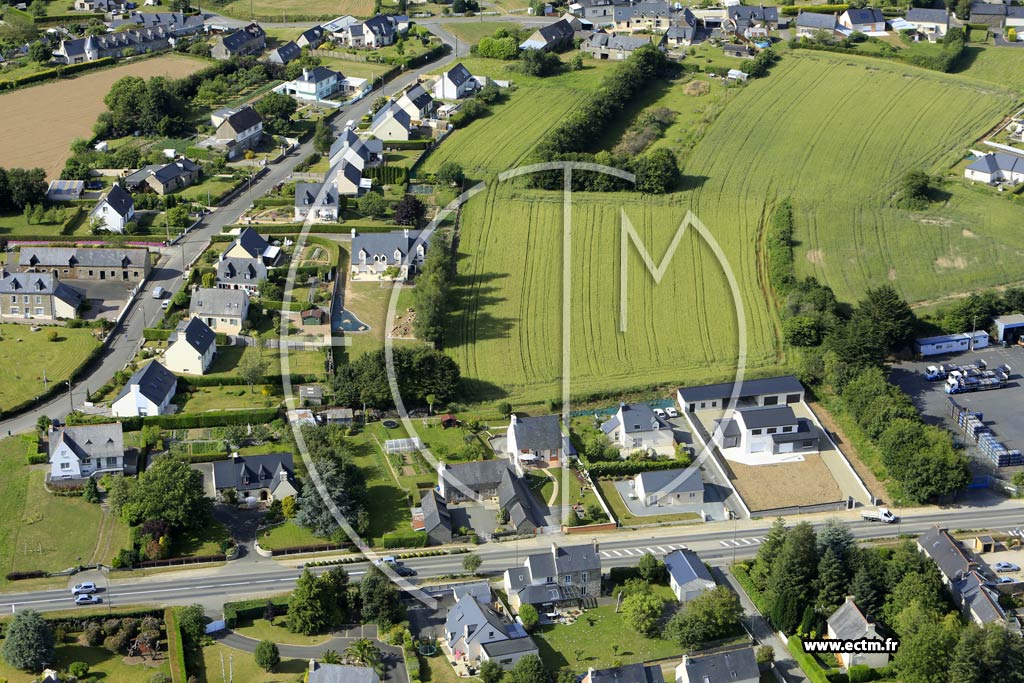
[1000, 408]
[106, 297]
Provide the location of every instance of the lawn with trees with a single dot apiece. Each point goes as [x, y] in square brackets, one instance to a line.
[25, 355]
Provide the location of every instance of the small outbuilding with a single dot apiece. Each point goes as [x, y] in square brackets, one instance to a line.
[951, 343]
[1009, 328]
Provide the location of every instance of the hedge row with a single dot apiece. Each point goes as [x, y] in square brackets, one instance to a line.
[174, 561]
[388, 175]
[157, 334]
[794, 10]
[317, 228]
[232, 380]
[408, 144]
[621, 468]
[404, 539]
[18, 576]
[250, 609]
[175, 648]
[295, 306]
[312, 548]
[204, 457]
[48, 74]
[216, 418]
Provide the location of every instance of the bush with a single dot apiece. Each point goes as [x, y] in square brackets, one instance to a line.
[267, 655]
[860, 673]
[404, 539]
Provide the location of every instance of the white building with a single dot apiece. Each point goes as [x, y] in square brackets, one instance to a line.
[114, 210]
[635, 427]
[417, 103]
[688, 577]
[768, 431]
[752, 392]
[391, 122]
[317, 202]
[193, 346]
[79, 452]
[455, 83]
[951, 343]
[223, 310]
[849, 623]
[996, 167]
[737, 666]
[148, 392]
[668, 488]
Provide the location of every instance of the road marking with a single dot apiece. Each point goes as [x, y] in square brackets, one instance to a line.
[617, 553]
[725, 544]
[662, 550]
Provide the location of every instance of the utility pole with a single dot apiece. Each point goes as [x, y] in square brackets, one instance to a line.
[71, 398]
[974, 328]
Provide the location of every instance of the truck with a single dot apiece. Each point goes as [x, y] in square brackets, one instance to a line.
[941, 372]
[959, 383]
[882, 515]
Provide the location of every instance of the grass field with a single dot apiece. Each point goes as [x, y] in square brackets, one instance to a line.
[261, 629]
[626, 518]
[293, 10]
[472, 31]
[34, 524]
[103, 666]
[288, 535]
[67, 109]
[243, 667]
[203, 399]
[1001, 65]
[25, 355]
[299, 362]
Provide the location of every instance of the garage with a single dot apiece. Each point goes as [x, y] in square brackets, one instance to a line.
[1009, 328]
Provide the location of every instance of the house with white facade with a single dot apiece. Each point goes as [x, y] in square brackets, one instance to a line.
[373, 253]
[931, 23]
[354, 150]
[996, 167]
[192, 347]
[314, 84]
[250, 244]
[417, 103]
[864, 20]
[634, 426]
[455, 84]
[767, 431]
[735, 666]
[223, 310]
[475, 633]
[669, 488]
[773, 391]
[148, 392]
[317, 202]
[535, 440]
[114, 210]
[391, 122]
[84, 450]
[850, 623]
[688, 576]
[808, 24]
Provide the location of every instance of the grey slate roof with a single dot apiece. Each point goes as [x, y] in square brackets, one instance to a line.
[419, 97]
[154, 380]
[641, 9]
[772, 416]
[218, 302]
[980, 599]
[252, 242]
[848, 622]
[560, 30]
[512, 646]
[630, 673]
[684, 32]
[131, 39]
[90, 441]
[537, 433]
[251, 472]
[722, 667]
[306, 195]
[313, 35]
[515, 497]
[925, 15]
[165, 173]
[635, 417]
[563, 560]
[435, 512]
[624, 43]
[237, 40]
[748, 14]
[243, 119]
[685, 566]
[384, 244]
[480, 619]
[339, 673]
[241, 271]
[670, 481]
[816, 20]
[945, 552]
[864, 15]
[458, 74]
[787, 384]
[46, 257]
[317, 74]
[40, 283]
[119, 200]
[395, 111]
[480, 474]
[998, 161]
[196, 333]
[988, 9]
[175, 21]
[381, 25]
[286, 53]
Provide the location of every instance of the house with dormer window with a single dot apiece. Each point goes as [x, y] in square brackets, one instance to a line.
[561, 576]
[80, 452]
[374, 253]
[634, 426]
[114, 211]
[241, 273]
[37, 296]
[265, 478]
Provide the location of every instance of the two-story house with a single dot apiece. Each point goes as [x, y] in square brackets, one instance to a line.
[864, 20]
[770, 430]
[455, 83]
[356, 150]
[752, 21]
[488, 480]
[250, 244]
[223, 310]
[475, 633]
[117, 44]
[533, 440]
[651, 16]
[114, 211]
[960, 574]
[391, 122]
[248, 40]
[374, 253]
[83, 263]
[317, 202]
[148, 392]
[82, 451]
[634, 426]
[417, 103]
[734, 666]
[37, 296]
[561, 576]
[192, 347]
[241, 273]
[314, 84]
[237, 130]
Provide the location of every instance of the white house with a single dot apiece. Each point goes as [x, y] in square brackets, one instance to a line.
[348, 180]
[391, 122]
[667, 488]
[374, 253]
[736, 666]
[951, 343]
[148, 392]
[767, 431]
[351, 148]
[864, 20]
[535, 439]
[115, 209]
[417, 103]
[754, 392]
[809, 23]
[223, 310]
[849, 623]
[931, 23]
[635, 427]
[79, 452]
[475, 633]
[455, 83]
[996, 167]
[193, 346]
[314, 84]
[316, 201]
[688, 577]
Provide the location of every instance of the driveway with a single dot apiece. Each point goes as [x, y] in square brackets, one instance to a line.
[241, 523]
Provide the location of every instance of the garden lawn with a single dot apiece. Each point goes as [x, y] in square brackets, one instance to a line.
[386, 497]
[472, 31]
[204, 399]
[103, 666]
[243, 665]
[288, 535]
[209, 190]
[369, 302]
[204, 541]
[34, 523]
[25, 355]
[296, 10]
[582, 645]
[261, 629]
[625, 518]
[299, 362]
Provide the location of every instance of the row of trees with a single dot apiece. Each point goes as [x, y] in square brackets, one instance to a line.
[422, 373]
[320, 603]
[340, 477]
[432, 294]
[977, 310]
[21, 187]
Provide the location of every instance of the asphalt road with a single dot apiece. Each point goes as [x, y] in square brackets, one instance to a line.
[718, 544]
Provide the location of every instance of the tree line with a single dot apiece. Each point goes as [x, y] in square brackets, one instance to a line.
[420, 372]
[431, 296]
[21, 187]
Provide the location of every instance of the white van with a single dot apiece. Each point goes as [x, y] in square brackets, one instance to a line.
[158, 293]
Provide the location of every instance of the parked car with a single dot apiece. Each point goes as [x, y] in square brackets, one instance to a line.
[402, 570]
[1005, 567]
[165, 304]
[88, 599]
[672, 412]
[84, 588]
[660, 413]
[1006, 579]
[158, 293]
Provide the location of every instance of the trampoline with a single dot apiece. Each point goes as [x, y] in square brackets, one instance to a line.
[389, 424]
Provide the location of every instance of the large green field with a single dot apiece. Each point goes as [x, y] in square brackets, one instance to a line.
[835, 133]
[26, 355]
[1002, 65]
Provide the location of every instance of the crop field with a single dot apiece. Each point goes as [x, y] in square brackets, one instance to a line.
[472, 31]
[503, 139]
[1000, 65]
[294, 10]
[67, 109]
[509, 297]
[836, 133]
[25, 355]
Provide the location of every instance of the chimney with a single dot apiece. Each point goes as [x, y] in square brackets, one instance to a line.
[597, 547]
[406, 233]
[353, 233]
[305, 74]
[312, 665]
